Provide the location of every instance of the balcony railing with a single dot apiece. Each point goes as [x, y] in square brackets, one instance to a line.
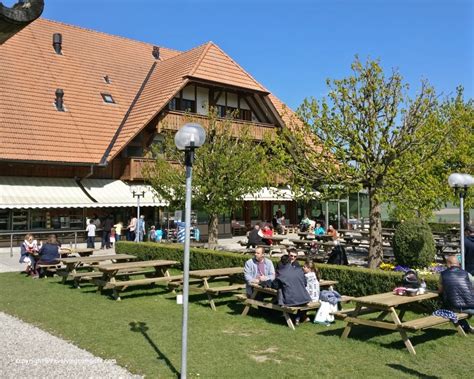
[172, 120]
[133, 168]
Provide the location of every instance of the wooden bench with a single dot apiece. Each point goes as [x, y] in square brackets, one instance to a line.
[229, 288]
[121, 285]
[52, 268]
[286, 310]
[431, 321]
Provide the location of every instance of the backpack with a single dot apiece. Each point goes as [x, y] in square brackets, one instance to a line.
[410, 279]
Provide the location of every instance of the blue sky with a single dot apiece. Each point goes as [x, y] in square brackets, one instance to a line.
[292, 47]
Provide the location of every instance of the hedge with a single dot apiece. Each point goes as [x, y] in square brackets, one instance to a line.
[353, 281]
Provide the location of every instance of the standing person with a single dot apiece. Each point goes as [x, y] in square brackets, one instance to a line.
[107, 228]
[469, 249]
[141, 228]
[118, 230]
[91, 228]
[96, 221]
[49, 253]
[132, 226]
[258, 270]
[457, 291]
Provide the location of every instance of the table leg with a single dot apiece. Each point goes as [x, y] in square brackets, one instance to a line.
[382, 315]
[289, 321]
[348, 327]
[209, 297]
[402, 332]
[247, 307]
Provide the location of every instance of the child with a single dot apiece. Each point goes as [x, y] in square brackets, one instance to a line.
[28, 250]
[152, 234]
[312, 276]
[159, 235]
[112, 236]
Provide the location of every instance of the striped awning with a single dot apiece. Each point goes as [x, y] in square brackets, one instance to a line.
[29, 192]
[116, 193]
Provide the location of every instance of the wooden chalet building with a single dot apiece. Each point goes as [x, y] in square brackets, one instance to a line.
[79, 109]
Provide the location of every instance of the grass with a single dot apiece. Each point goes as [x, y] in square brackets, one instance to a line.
[143, 333]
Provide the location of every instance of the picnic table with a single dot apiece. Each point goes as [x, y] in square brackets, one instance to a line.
[270, 294]
[82, 252]
[388, 304]
[230, 275]
[73, 263]
[108, 280]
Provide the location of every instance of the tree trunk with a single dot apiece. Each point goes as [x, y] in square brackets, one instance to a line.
[213, 230]
[375, 238]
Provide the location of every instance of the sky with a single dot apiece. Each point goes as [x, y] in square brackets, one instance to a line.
[293, 46]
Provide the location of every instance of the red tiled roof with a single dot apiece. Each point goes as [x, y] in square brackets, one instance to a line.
[32, 129]
[30, 72]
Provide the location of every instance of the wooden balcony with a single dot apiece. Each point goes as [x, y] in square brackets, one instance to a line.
[133, 168]
[172, 120]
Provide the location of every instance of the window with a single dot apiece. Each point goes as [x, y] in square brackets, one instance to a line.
[245, 114]
[188, 105]
[108, 98]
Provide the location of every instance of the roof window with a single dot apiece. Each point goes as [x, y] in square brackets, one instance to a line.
[108, 98]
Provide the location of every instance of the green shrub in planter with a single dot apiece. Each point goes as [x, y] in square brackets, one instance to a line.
[413, 244]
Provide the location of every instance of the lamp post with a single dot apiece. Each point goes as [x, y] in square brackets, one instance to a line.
[188, 138]
[461, 183]
[138, 192]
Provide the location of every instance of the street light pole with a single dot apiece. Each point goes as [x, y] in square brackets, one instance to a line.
[138, 192]
[188, 138]
[461, 183]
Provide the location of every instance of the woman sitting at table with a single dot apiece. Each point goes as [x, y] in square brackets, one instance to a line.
[319, 230]
[48, 254]
[267, 235]
[333, 232]
[28, 252]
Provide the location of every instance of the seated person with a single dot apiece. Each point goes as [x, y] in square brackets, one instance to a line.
[313, 277]
[49, 252]
[333, 232]
[258, 270]
[291, 284]
[281, 228]
[28, 252]
[305, 223]
[293, 256]
[255, 237]
[267, 232]
[457, 290]
[319, 230]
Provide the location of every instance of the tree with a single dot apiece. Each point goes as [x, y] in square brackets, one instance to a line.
[429, 190]
[371, 135]
[230, 164]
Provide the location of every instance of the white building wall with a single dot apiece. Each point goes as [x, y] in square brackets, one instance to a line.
[202, 101]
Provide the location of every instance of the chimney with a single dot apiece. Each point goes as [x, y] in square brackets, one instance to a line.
[156, 52]
[59, 100]
[57, 42]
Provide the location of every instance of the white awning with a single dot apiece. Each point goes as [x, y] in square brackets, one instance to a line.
[115, 193]
[274, 194]
[270, 194]
[28, 192]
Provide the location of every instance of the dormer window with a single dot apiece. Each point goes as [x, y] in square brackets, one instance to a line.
[108, 98]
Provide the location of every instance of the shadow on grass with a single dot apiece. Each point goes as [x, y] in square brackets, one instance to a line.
[142, 328]
[411, 371]
[361, 333]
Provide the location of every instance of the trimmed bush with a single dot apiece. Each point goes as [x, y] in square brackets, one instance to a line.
[413, 244]
[353, 281]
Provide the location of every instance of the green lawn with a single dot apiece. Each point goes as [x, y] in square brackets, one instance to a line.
[143, 333]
